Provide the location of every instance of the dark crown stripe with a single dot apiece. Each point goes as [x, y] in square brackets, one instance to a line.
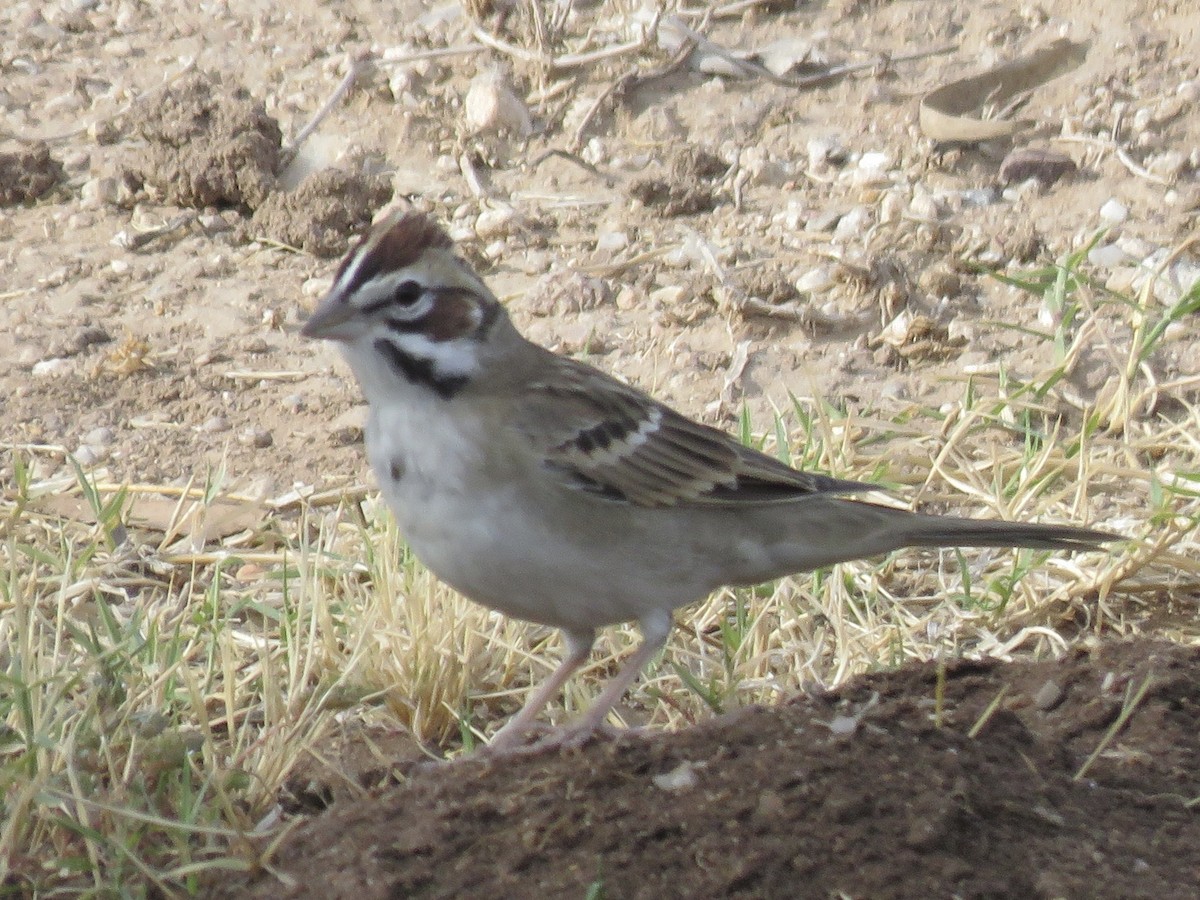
[420, 371]
[395, 243]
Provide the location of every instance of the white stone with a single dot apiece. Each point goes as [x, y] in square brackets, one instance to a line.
[491, 105]
[891, 207]
[1107, 257]
[1114, 211]
[853, 224]
[99, 437]
[875, 161]
[825, 151]
[51, 367]
[681, 778]
[815, 281]
[670, 295]
[610, 242]
[88, 456]
[926, 207]
[99, 191]
[495, 222]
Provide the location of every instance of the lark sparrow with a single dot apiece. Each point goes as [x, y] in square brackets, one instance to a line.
[541, 487]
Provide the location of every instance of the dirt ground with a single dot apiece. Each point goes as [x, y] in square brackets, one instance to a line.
[711, 238]
[868, 791]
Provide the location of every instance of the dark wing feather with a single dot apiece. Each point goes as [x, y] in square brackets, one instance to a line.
[601, 436]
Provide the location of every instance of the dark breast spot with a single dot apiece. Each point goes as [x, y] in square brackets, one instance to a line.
[396, 468]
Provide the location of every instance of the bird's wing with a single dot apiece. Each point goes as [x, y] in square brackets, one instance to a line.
[609, 439]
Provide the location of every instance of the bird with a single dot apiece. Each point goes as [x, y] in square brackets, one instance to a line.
[541, 487]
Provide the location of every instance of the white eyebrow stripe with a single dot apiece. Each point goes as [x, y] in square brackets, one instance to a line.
[351, 271]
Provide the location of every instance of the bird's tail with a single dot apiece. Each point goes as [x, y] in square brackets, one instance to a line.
[950, 531]
[837, 529]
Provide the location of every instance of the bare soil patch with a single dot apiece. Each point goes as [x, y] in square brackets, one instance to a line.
[857, 792]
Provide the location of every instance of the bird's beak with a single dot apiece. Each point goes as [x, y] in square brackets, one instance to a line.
[331, 320]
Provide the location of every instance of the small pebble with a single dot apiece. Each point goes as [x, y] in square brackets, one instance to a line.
[88, 456]
[824, 220]
[215, 425]
[119, 48]
[854, 224]
[1048, 696]
[99, 191]
[815, 281]
[681, 778]
[610, 242]
[258, 438]
[891, 207]
[1114, 211]
[491, 105]
[495, 222]
[669, 296]
[926, 207]
[875, 161]
[89, 336]
[99, 437]
[51, 367]
[979, 197]
[825, 151]
[250, 572]
[1107, 257]
[214, 223]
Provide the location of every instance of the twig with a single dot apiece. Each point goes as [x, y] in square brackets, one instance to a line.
[558, 63]
[436, 53]
[1133, 699]
[627, 84]
[352, 72]
[138, 239]
[1118, 151]
[575, 159]
[882, 61]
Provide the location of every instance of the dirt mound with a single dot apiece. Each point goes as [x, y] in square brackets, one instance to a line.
[1061, 779]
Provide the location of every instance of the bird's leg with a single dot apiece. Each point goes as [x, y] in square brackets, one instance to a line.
[579, 645]
[656, 627]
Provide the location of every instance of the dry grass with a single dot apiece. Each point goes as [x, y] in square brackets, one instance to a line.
[168, 655]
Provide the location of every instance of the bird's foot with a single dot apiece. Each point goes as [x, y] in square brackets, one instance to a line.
[570, 738]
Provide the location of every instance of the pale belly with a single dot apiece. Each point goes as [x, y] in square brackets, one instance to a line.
[524, 548]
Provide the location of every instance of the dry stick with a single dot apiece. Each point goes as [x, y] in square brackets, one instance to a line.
[883, 61]
[805, 81]
[1120, 152]
[575, 159]
[987, 714]
[626, 84]
[352, 71]
[1133, 699]
[437, 53]
[139, 239]
[558, 63]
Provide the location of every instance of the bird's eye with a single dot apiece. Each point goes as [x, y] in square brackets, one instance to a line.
[407, 293]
